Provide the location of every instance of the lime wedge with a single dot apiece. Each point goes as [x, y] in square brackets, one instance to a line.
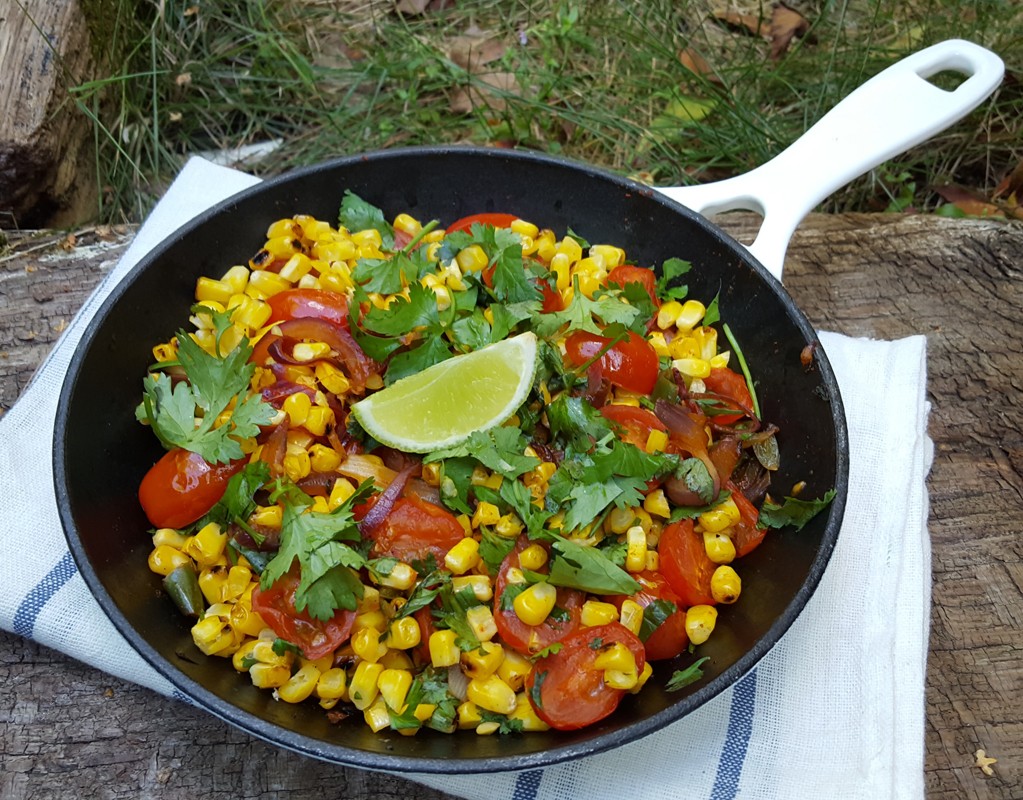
[446, 403]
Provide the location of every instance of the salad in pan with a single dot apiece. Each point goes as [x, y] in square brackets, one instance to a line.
[484, 476]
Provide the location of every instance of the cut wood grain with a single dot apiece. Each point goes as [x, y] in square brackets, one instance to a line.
[67, 730]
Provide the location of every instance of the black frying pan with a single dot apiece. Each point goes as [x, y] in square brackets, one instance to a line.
[101, 453]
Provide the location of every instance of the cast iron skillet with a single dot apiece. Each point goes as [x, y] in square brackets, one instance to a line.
[101, 453]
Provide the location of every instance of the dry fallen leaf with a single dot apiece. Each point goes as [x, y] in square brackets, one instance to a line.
[697, 64]
[984, 762]
[745, 22]
[969, 202]
[184, 79]
[786, 25]
[1011, 184]
[411, 7]
[475, 49]
[68, 242]
[465, 99]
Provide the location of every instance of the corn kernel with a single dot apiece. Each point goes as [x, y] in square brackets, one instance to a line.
[631, 615]
[332, 684]
[164, 559]
[300, 685]
[508, 526]
[393, 685]
[617, 657]
[402, 577]
[481, 620]
[722, 516]
[725, 585]
[691, 313]
[644, 676]
[571, 248]
[377, 716]
[444, 651]
[485, 514]
[597, 612]
[692, 367]
[483, 660]
[491, 693]
[403, 633]
[535, 603]
[481, 586]
[616, 679]
[612, 256]
[207, 289]
[468, 715]
[635, 558]
[514, 668]
[339, 493]
[657, 504]
[207, 545]
[526, 714]
[524, 228]
[266, 283]
[472, 259]
[212, 636]
[719, 547]
[297, 406]
[331, 378]
[463, 556]
[533, 557]
[323, 458]
[363, 688]
[367, 645]
[407, 224]
[269, 676]
[656, 441]
[700, 622]
[396, 659]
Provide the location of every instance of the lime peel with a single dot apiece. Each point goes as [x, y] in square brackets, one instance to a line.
[445, 404]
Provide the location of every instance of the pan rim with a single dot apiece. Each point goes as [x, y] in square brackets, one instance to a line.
[193, 692]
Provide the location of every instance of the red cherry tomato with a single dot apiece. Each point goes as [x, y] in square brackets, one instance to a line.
[496, 220]
[670, 637]
[315, 637]
[182, 486]
[317, 303]
[732, 386]
[415, 527]
[566, 691]
[635, 423]
[631, 363]
[529, 639]
[684, 563]
[746, 535]
[627, 273]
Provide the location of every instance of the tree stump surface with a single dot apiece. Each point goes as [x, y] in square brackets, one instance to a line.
[67, 730]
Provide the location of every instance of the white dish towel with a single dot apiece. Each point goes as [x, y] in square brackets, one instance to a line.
[835, 710]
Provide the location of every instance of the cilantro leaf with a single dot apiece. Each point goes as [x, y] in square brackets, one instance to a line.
[358, 215]
[583, 314]
[697, 478]
[499, 449]
[237, 502]
[667, 287]
[576, 421]
[684, 677]
[431, 351]
[654, 615]
[587, 568]
[793, 511]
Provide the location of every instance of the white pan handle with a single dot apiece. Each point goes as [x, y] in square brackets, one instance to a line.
[892, 112]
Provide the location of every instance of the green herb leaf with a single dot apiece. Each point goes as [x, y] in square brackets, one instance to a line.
[684, 677]
[588, 569]
[793, 511]
[654, 615]
[358, 215]
[667, 286]
[697, 478]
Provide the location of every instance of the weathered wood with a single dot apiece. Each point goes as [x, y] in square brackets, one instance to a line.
[46, 170]
[67, 730]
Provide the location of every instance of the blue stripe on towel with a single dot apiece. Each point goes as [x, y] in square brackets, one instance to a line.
[34, 602]
[527, 784]
[740, 728]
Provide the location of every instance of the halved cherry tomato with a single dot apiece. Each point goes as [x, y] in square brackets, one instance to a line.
[529, 639]
[631, 363]
[636, 423]
[732, 386]
[670, 637]
[315, 637]
[182, 486]
[627, 273]
[566, 691]
[495, 219]
[317, 303]
[746, 534]
[684, 563]
[415, 527]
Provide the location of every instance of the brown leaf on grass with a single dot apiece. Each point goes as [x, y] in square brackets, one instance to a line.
[697, 64]
[475, 49]
[969, 202]
[753, 25]
[411, 8]
[465, 99]
[786, 25]
[1011, 186]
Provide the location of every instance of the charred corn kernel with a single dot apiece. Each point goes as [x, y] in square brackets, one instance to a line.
[331, 684]
[668, 313]
[284, 228]
[169, 536]
[297, 406]
[468, 715]
[297, 465]
[481, 620]
[403, 633]
[561, 267]
[491, 693]
[483, 660]
[534, 604]
[612, 256]
[407, 224]
[296, 267]
[690, 315]
[393, 685]
[719, 547]
[339, 493]
[212, 581]
[524, 228]
[621, 519]
[299, 686]
[659, 343]
[720, 360]
[509, 526]
[532, 557]
[323, 458]
[700, 622]
[242, 658]
[485, 514]
[245, 620]
[571, 248]
[488, 728]
[725, 585]
[212, 635]
[167, 351]
[377, 716]
[635, 556]
[210, 289]
[481, 586]
[657, 504]
[269, 676]
[463, 556]
[444, 651]
[514, 668]
[367, 645]
[207, 545]
[526, 714]
[722, 516]
[362, 690]
[318, 419]
[616, 679]
[656, 441]
[617, 657]
[644, 676]
[163, 560]
[402, 577]
[472, 259]
[631, 616]
[267, 283]
[431, 473]
[692, 367]
[597, 612]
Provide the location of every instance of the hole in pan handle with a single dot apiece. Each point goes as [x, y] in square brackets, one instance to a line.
[895, 110]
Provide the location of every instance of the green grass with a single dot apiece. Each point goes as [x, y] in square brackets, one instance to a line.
[600, 82]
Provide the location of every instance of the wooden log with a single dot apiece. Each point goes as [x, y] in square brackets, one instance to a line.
[46, 173]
